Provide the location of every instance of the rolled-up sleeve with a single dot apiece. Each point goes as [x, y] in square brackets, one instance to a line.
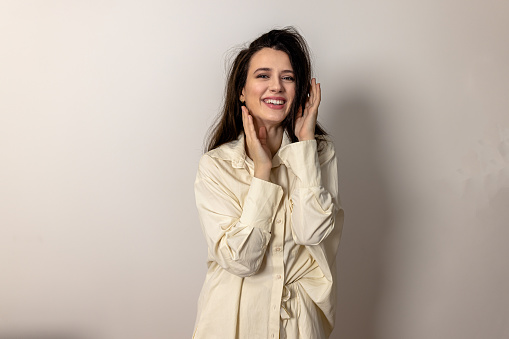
[237, 232]
[314, 202]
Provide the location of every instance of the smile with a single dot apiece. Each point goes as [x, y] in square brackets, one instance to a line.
[274, 101]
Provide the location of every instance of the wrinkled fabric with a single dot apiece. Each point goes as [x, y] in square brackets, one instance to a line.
[271, 245]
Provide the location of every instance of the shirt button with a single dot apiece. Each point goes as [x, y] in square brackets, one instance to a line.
[278, 221]
[278, 276]
[278, 249]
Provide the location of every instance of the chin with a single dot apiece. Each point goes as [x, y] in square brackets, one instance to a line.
[273, 117]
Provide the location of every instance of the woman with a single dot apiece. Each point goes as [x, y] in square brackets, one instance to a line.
[267, 198]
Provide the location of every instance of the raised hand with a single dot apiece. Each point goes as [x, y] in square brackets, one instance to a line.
[306, 122]
[257, 147]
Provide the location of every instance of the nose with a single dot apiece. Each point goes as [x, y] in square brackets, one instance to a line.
[275, 85]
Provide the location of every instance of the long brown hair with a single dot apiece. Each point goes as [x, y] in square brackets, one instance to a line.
[288, 40]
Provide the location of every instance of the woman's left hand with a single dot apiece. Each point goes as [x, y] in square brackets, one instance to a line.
[306, 122]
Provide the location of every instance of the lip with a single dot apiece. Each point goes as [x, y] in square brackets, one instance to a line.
[273, 106]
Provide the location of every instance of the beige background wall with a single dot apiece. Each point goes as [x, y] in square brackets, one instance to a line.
[103, 109]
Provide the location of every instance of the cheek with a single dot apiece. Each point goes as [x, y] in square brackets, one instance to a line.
[251, 92]
[257, 90]
[291, 91]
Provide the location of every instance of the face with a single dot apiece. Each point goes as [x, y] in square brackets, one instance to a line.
[270, 86]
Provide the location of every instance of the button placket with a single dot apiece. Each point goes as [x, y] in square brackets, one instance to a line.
[278, 272]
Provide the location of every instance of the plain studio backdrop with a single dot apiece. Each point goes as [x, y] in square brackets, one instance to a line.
[104, 106]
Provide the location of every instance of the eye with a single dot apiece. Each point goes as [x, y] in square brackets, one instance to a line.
[289, 78]
[262, 76]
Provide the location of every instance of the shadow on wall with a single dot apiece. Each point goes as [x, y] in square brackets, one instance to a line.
[367, 214]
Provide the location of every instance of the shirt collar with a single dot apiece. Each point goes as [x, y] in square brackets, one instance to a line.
[235, 152]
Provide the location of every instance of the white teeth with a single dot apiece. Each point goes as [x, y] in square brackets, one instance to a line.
[274, 102]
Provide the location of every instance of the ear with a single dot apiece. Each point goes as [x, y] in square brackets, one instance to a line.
[242, 97]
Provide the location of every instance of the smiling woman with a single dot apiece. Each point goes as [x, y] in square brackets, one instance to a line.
[268, 201]
[270, 87]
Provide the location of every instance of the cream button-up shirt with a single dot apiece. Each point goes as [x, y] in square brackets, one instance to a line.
[271, 245]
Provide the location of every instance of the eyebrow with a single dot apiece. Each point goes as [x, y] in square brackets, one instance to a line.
[265, 69]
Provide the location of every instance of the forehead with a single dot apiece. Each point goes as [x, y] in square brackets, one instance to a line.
[270, 58]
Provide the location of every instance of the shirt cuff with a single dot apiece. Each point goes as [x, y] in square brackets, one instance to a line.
[261, 204]
[302, 158]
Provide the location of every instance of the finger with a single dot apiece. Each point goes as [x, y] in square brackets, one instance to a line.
[247, 121]
[312, 92]
[311, 98]
[303, 112]
[316, 98]
[244, 120]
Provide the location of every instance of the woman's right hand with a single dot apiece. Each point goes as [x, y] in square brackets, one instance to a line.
[257, 148]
